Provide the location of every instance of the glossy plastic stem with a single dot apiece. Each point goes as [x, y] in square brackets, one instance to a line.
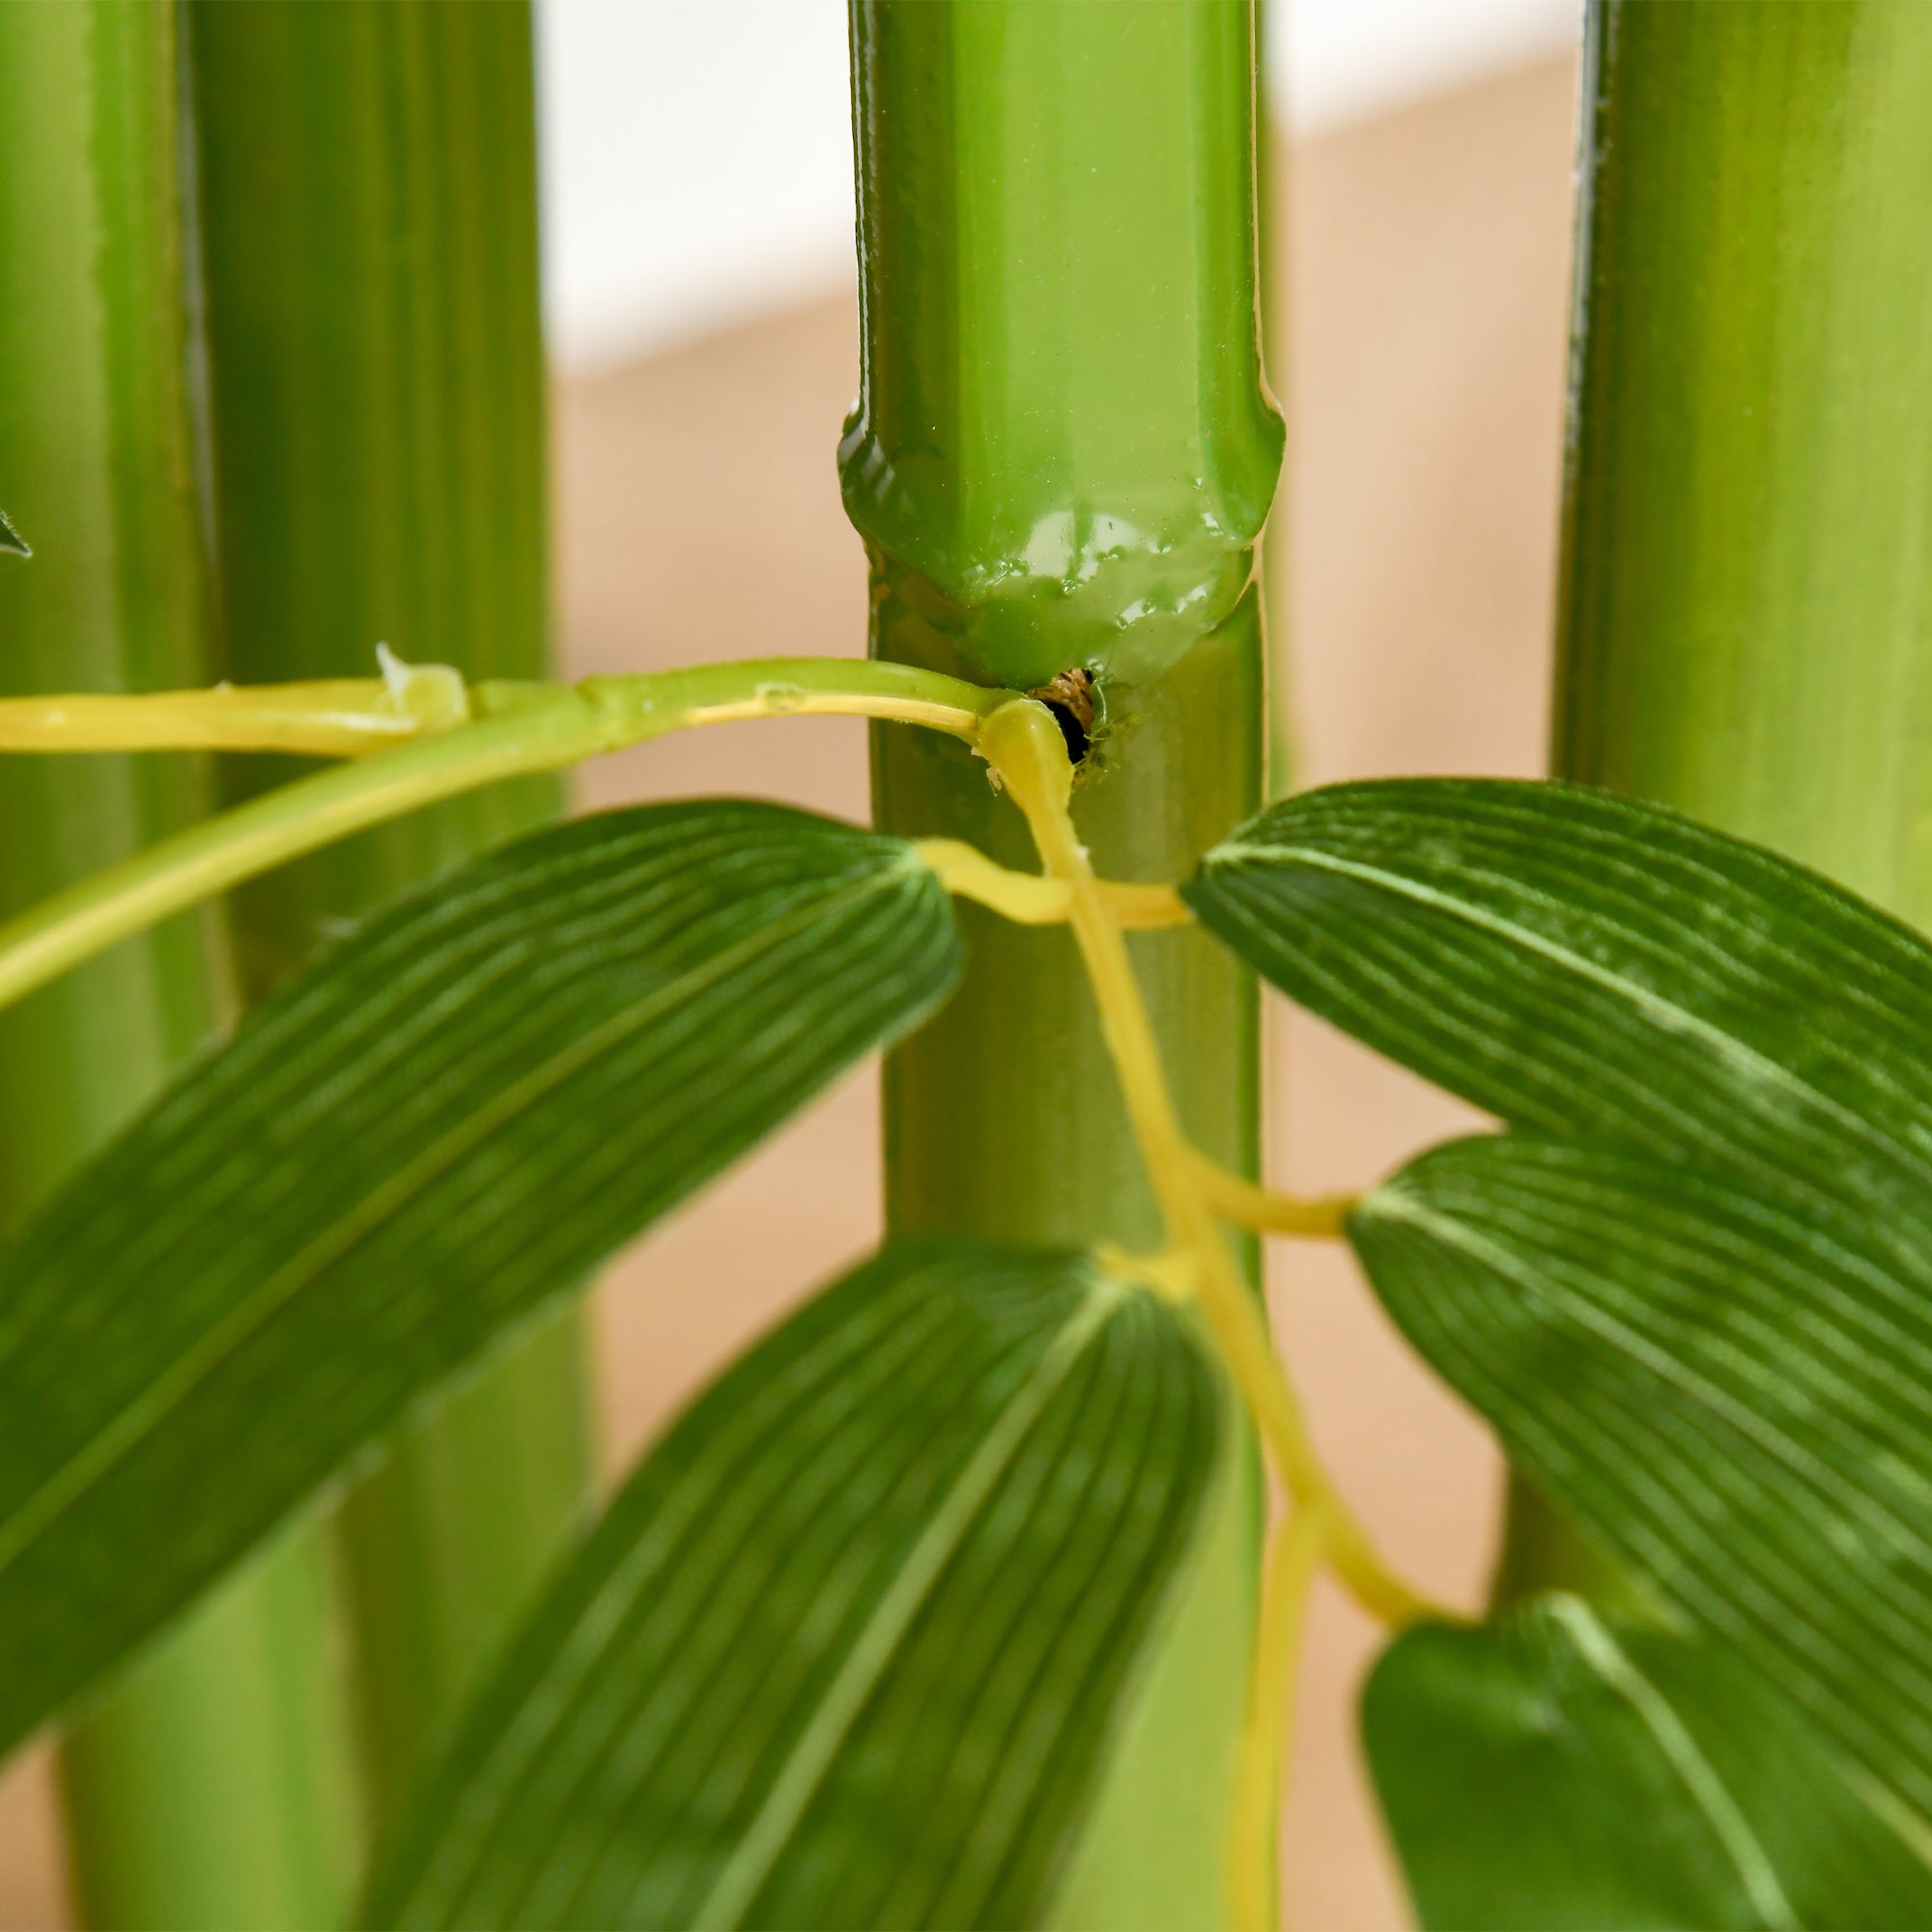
[517, 730]
[1062, 459]
[375, 380]
[209, 1786]
[1745, 606]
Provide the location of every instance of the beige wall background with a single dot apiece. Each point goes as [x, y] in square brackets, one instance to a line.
[698, 517]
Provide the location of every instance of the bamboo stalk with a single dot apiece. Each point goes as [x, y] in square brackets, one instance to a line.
[1272, 206]
[1062, 461]
[208, 1787]
[376, 378]
[1745, 605]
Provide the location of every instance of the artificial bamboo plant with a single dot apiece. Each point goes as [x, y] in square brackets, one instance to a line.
[939, 1607]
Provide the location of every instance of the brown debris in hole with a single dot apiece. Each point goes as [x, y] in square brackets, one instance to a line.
[1069, 695]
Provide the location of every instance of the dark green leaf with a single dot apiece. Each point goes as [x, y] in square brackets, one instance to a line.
[846, 1649]
[451, 1118]
[1577, 963]
[1734, 1397]
[11, 542]
[1560, 1772]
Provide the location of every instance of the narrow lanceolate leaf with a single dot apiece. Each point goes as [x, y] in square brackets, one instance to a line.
[448, 1120]
[11, 542]
[1575, 962]
[1564, 1772]
[1733, 1396]
[846, 1650]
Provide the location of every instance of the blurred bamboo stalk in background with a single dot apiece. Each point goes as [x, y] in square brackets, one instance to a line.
[1746, 602]
[1060, 463]
[368, 196]
[211, 1787]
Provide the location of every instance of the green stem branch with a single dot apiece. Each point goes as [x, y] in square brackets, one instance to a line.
[1026, 748]
[536, 728]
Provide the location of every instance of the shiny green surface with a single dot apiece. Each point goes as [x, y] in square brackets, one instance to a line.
[206, 1788]
[1746, 602]
[1061, 429]
[367, 177]
[1062, 456]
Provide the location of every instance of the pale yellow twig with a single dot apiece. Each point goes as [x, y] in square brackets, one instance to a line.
[1320, 1217]
[1295, 1553]
[1030, 900]
[344, 717]
[1026, 748]
[511, 729]
[1169, 1273]
[353, 717]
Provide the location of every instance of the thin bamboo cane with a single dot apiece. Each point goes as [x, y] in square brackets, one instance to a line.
[1746, 610]
[1062, 461]
[376, 378]
[210, 1787]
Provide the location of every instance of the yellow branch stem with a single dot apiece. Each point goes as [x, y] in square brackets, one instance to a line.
[353, 717]
[340, 718]
[453, 738]
[1296, 1551]
[1321, 1217]
[1025, 747]
[1029, 899]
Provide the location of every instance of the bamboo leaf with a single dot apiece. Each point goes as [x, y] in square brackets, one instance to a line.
[445, 1122]
[1733, 1395]
[846, 1649]
[1561, 1770]
[1577, 963]
[11, 542]
[1700, 1329]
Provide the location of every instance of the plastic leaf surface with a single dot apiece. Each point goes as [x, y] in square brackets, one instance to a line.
[1698, 1314]
[846, 1650]
[1561, 1770]
[450, 1119]
[1579, 964]
[1734, 1397]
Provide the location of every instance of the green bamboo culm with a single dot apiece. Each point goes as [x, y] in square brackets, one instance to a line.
[368, 197]
[1746, 604]
[1272, 203]
[1062, 461]
[210, 1785]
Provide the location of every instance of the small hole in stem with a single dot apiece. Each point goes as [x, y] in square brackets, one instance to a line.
[1069, 695]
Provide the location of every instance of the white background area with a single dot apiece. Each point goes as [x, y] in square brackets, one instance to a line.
[697, 153]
